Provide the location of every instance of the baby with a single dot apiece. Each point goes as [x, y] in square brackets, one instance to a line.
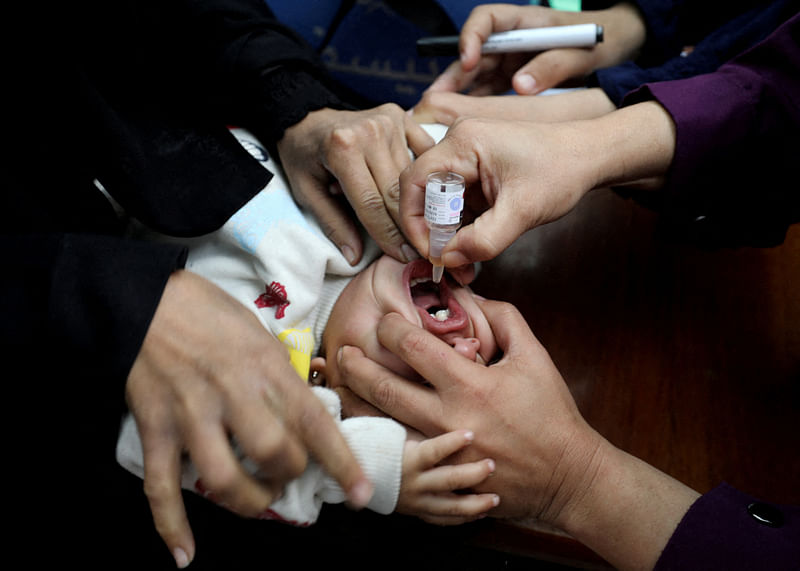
[274, 259]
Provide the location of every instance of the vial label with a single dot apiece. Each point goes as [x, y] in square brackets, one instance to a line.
[444, 203]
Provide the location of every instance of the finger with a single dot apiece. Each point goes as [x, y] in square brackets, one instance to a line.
[422, 113]
[449, 521]
[265, 440]
[367, 200]
[550, 69]
[454, 78]
[328, 446]
[488, 236]
[334, 219]
[434, 450]
[449, 509]
[443, 108]
[474, 33]
[412, 206]
[464, 275]
[509, 328]
[385, 165]
[222, 474]
[488, 19]
[354, 405]
[404, 400]
[162, 475]
[491, 77]
[456, 477]
[428, 355]
[417, 138]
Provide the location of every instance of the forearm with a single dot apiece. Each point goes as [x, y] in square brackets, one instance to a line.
[625, 510]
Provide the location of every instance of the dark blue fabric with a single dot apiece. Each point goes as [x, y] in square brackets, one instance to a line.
[667, 35]
[371, 48]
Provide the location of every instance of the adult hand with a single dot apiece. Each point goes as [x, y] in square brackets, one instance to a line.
[533, 173]
[518, 175]
[208, 371]
[549, 463]
[359, 153]
[496, 73]
[519, 408]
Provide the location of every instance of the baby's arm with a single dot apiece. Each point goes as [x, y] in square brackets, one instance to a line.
[428, 490]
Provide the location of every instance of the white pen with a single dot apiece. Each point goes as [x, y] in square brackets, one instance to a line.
[526, 40]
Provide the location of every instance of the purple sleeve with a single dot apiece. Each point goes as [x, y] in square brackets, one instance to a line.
[737, 133]
[746, 101]
[727, 529]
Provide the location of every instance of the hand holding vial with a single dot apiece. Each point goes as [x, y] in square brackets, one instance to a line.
[521, 174]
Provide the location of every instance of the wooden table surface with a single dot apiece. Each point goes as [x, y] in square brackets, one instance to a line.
[684, 357]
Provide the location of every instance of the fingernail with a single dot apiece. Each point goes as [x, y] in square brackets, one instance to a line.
[491, 465]
[361, 494]
[469, 436]
[339, 355]
[525, 83]
[349, 254]
[181, 559]
[462, 56]
[496, 500]
[409, 253]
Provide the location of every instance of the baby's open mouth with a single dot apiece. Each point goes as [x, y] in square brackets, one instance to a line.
[438, 308]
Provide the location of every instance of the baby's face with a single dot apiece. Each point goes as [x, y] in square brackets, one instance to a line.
[447, 310]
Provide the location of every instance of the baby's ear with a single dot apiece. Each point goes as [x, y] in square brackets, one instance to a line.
[317, 371]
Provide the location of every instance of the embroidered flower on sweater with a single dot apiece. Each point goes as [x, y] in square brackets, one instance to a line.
[274, 296]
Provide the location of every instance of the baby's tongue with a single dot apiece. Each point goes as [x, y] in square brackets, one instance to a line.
[424, 297]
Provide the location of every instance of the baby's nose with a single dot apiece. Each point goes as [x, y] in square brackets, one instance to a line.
[467, 346]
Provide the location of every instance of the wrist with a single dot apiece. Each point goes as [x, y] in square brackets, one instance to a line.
[624, 509]
[630, 145]
[580, 465]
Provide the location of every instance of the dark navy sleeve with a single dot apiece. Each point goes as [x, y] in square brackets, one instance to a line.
[664, 56]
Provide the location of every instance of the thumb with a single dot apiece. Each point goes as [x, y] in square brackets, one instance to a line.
[487, 237]
[510, 329]
[550, 69]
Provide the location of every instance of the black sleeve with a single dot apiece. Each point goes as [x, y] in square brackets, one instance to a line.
[261, 73]
[79, 306]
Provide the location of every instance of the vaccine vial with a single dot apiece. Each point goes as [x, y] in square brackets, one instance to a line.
[444, 202]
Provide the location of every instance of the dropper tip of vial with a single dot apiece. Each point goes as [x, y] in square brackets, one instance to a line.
[437, 274]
